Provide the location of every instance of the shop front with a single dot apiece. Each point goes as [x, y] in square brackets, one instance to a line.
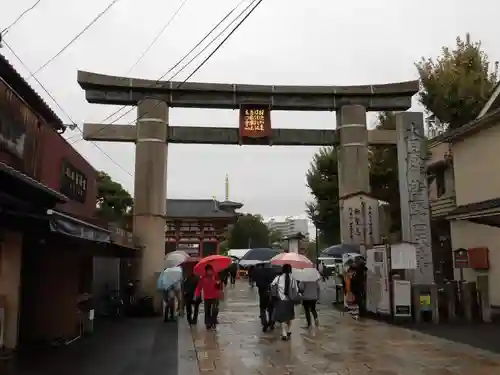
[23, 201]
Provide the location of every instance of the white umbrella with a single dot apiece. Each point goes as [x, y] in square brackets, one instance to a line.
[295, 260]
[175, 258]
[169, 277]
[306, 274]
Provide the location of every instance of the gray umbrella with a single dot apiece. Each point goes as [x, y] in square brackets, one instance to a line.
[255, 256]
[337, 251]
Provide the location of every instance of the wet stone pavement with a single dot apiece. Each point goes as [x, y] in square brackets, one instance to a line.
[340, 346]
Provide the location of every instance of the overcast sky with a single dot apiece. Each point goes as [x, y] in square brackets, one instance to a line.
[290, 42]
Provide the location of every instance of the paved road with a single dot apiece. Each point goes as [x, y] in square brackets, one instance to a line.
[340, 346]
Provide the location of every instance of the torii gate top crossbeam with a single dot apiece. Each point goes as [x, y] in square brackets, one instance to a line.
[105, 89]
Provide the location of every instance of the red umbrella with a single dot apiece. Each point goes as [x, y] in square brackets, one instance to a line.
[218, 262]
[295, 260]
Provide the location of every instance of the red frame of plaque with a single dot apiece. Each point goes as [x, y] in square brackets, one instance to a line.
[255, 121]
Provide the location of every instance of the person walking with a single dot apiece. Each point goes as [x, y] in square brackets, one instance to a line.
[233, 269]
[190, 302]
[250, 276]
[263, 278]
[350, 297]
[358, 284]
[211, 287]
[169, 296]
[321, 270]
[286, 289]
[310, 292]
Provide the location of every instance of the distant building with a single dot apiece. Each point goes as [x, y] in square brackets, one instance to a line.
[289, 226]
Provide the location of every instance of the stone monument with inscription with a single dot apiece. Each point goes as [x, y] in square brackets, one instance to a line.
[415, 215]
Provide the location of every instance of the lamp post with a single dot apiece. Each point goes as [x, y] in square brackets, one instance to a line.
[316, 224]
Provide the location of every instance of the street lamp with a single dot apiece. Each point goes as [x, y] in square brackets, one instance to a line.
[316, 224]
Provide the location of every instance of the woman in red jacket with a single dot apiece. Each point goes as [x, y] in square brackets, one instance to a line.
[211, 287]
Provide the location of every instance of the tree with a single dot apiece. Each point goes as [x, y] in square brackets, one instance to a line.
[457, 84]
[114, 203]
[248, 232]
[322, 180]
[275, 236]
[384, 180]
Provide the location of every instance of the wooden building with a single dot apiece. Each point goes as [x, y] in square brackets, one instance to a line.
[48, 234]
[197, 226]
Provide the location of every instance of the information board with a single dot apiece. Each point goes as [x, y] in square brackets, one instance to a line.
[255, 121]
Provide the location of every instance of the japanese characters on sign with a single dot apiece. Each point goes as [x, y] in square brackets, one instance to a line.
[360, 219]
[255, 122]
[413, 185]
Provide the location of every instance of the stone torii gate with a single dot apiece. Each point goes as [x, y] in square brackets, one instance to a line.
[152, 134]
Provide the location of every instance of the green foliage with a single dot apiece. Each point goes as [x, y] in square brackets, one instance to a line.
[384, 171]
[248, 232]
[275, 236]
[114, 203]
[457, 84]
[322, 180]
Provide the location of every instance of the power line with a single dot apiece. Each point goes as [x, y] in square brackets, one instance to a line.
[167, 24]
[221, 43]
[212, 41]
[213, 52]
[26, 11]
[173, 67]
[62, 109]
[74, 39]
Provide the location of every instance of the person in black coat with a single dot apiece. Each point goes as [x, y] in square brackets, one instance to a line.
[358, 283]
[233, 270]
[191, 303]
[263, 277]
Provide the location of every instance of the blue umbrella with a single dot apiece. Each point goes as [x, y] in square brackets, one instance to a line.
[168, 278]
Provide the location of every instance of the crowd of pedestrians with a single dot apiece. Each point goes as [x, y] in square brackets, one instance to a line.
[278, 293]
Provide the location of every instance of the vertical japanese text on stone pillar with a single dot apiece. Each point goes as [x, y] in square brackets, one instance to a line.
[415, 209]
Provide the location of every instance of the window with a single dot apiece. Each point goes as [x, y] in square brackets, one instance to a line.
[73, 183]
[440, 183]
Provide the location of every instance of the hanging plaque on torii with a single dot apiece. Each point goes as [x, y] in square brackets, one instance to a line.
[255, 124]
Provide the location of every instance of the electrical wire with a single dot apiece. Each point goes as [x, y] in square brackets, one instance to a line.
[26, 11]
[160, 33]
[75, 38]
[62, 109]
[163, 76]
[211, 54]
[212, 41]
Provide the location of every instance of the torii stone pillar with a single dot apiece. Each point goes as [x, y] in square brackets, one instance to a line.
[150, 188]
[353, 175]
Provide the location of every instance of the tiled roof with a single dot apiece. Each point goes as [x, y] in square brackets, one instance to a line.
[30, 181]
[196, 208]
[10, 75]
[476, 207]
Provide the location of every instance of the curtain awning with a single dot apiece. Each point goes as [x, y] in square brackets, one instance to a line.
[70, 226]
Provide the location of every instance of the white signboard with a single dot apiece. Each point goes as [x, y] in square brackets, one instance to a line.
[415, 215]
[401, 298]
[360, 221]
[377, 283]
[403, 256]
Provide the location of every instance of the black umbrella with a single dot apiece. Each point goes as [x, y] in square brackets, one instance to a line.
[337, 251]
[254, 256]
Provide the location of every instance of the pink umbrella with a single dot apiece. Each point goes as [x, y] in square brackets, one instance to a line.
[295, 260]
